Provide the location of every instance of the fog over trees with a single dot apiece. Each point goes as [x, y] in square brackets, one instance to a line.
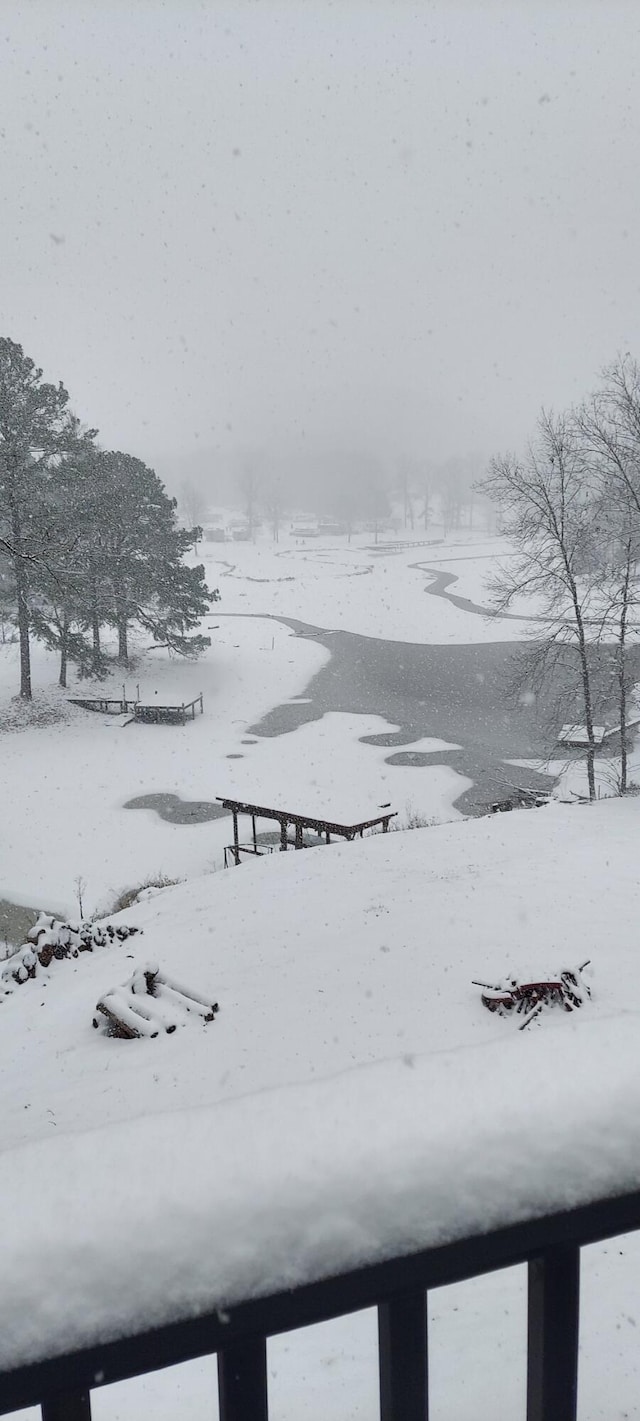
[347, 486]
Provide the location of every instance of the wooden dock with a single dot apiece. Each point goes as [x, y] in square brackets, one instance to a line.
[324, 829]
[153, 714]
[167, 715]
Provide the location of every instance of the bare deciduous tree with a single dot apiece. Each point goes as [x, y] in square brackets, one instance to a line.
[249, 487]
[274, 504]
[618, 552]
[546, 505]
[194, 503]
[406, 492]
[609, 425]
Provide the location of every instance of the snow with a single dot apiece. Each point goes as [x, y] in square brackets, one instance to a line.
[279, 1188]
[579, 735]
[375, 590]
[67, 782]
[69, 773]
[351, 1074]
[329, 764]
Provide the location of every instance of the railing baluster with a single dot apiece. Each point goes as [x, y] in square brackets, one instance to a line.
[242, 1381]
[402, 1350]
[552, 1357]
[75, 1407]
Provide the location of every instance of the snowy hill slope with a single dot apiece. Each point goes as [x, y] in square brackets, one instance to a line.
[349, 1042]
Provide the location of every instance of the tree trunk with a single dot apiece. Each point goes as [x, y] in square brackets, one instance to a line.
[622, 672]
[95, 622]
[95, 633]
[19, 569]
[585, 675]
[623, 731]
[23, 631]
[586, 697]
[64, 645]
[123, 649]
[121, 621]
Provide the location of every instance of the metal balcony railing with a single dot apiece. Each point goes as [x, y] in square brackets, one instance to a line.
[550, 1246]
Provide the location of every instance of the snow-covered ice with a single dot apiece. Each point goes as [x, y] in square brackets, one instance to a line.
[379, 591]
[68, 780]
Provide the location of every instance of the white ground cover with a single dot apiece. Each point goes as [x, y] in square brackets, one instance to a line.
[348, 1022]
[351, 1099]
[377, 591]
[571, 773]
[65, 782]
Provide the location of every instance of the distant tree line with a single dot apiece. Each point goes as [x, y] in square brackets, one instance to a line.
[571, 509]
[350, 488]
[89, 539]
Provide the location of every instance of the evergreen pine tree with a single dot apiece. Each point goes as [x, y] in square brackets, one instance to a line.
[139, 552]
[36, 429]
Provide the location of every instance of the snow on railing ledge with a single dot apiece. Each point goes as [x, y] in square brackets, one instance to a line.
[398, 1287]
[174, 1235]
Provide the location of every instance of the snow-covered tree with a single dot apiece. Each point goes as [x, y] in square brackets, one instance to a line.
[37, 429]
[138, 557]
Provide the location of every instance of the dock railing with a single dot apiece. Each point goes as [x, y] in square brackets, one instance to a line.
[398, 1288]
[154, 714]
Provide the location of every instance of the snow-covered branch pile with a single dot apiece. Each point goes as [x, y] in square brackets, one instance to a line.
[528, 999]
[52, 940]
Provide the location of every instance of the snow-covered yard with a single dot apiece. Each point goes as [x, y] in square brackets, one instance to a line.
[352, 1074]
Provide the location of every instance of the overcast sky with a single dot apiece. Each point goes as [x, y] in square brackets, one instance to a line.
[374, 223]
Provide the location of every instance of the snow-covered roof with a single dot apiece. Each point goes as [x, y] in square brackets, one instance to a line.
[579, 735]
